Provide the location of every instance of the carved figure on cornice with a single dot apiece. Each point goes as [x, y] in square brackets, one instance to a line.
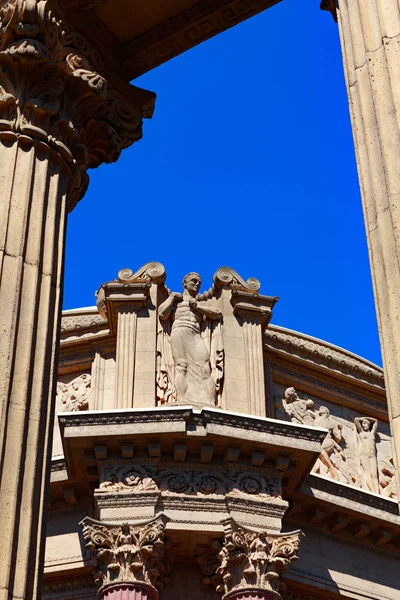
[249, 559]
[330, 445]
[386, 478]
[190, 348]
[127, 553]
[75, 394]
[366, 428]
[300, 410]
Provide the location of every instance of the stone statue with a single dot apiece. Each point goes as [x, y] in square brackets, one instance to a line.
[190, 351]
[330, 445]
[75, 394]
[298, 409]
[366, 428]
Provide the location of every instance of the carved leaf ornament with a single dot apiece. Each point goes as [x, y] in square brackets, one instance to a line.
[127, 553]
[54, 91]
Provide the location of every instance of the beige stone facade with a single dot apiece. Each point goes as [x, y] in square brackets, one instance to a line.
[294, 437]
[192, 429]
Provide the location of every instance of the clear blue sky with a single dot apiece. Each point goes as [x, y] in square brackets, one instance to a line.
[247, 162]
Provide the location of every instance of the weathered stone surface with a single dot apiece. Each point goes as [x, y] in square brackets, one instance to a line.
[60, 114]
[370, 40]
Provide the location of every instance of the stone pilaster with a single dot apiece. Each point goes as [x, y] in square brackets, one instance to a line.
[126, 346]
[255, 312]
[60, 114]
[370, 38]
[248, 564]
[120, 301]
[130, 562]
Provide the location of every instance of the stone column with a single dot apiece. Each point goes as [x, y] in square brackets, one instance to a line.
[248, 564]
[255, 312]
[130, 560]
[370, 38]
[58, 117]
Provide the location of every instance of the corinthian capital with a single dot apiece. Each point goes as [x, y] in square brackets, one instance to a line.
[127, 554]
[55, 90]
[249, 561]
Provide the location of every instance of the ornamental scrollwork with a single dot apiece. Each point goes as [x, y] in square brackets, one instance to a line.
[130, 478]
[55, 90]
[191, 482]
[249, 559]
[129, 553]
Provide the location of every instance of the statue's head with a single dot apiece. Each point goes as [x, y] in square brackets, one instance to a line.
[192, 282]
[324, 411]
[365, 424]
[291, 394]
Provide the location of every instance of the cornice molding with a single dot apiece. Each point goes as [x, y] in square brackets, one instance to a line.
[312, 350]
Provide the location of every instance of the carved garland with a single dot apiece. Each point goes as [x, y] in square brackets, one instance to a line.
[52, 92]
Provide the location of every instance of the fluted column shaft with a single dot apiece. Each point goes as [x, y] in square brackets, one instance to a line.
[33, 191]
[58, 117]
[370, 38]
[254, 312]
[254, 366]
[125, 359]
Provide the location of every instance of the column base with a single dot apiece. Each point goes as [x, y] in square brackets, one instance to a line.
[252, 594]
[134, 591]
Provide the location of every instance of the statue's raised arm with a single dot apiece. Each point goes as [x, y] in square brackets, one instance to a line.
[190, 365]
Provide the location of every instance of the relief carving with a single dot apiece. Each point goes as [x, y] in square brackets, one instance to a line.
[248, 560]
[331, 452]
[386, 478]
[75, 394]
[183, 481]
[137, 478]
[299, 410]
[190, 350]
[349, 452]
[366, 429]
[127, 553]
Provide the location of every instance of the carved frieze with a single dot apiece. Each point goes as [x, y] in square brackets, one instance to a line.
[135, 478]
[349, 451]
[248, 560]
[127, 553]
[189, 481]
[74, 396]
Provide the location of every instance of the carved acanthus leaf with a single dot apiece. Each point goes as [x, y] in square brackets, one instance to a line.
[54, 88]
[127, 553]
[249, 559]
